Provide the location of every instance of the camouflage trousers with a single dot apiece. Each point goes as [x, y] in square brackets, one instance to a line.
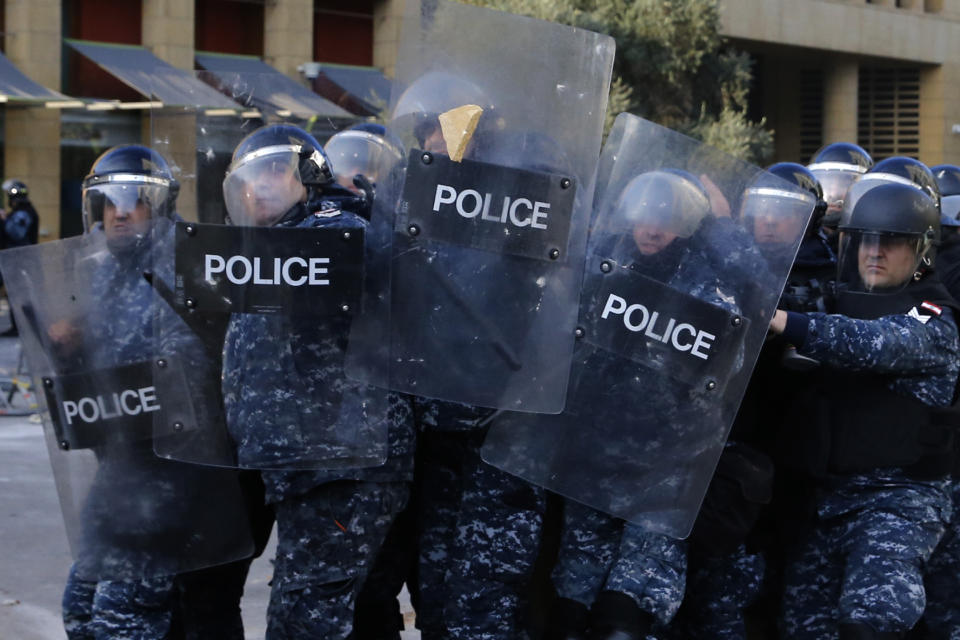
[199, 605]
[118, 609]
[942, 580]
[479, 541]
[719, 588]
[601, 553]
[862, 562]
[327, 541]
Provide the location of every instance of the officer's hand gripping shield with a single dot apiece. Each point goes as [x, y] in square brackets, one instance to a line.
[86, 319]
[485, 219]
[675, 306]
[269, 277]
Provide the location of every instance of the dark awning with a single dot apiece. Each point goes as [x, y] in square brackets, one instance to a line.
[15, 86]
[361, 90]
[257, 85]
[151, 76]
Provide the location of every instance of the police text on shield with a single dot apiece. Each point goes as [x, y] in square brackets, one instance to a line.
[637, 317]
[294, 271]
[469, 203]
[129, 402]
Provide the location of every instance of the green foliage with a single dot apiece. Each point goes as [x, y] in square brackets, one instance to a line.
[671, 66]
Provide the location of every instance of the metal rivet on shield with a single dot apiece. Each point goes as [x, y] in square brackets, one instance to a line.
[346, 235]
[554, 254]
[565, 183]
[191, 230]
[427, 157]
[64, 445]
[579, 332]
[605, 266]
[162, 363]
[711, 385]
[48, 383]
[191, 303]
[736, 321]
[178, 426]
[345, 308]
[413, 230]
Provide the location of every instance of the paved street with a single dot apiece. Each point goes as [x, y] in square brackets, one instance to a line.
[34, 566]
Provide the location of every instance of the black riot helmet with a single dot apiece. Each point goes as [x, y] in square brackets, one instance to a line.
[366, 149]
[417, 111]
[888, 238]
[777, 206]
[836, 166]
[16, 191]
[948, 181]
[128, 187]
[909, 169]
[272, 170]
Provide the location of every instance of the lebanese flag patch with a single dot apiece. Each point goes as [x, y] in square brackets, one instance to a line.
[932, 308]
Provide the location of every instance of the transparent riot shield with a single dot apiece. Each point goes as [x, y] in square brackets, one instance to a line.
[86, 319]
[676, 301]
[485, 220]
[266, 265]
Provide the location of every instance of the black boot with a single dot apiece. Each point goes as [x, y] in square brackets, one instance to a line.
[859, 631]
[568, 620]
[615, 616]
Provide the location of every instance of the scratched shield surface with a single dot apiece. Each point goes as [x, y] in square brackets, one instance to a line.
[676, 298]
[266, 265]
[483, 224]
[91, 328]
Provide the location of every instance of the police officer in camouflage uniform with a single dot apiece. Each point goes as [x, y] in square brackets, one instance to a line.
[871, 435]
[633, 580]
[129, 196]
[282, 372]
[20, 226]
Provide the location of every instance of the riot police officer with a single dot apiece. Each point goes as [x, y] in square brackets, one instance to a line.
[20, 226]
[284, 377]
[869, 436]
[124, 583]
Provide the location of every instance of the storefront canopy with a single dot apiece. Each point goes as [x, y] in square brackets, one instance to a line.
[16, 87]
[257, 85]
[151, 76]
[361, 90]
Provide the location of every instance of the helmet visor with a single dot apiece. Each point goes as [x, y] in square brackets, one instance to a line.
[259, 191]
[123, 210]
[776, 216]
[835, 185]
[360, 152]
[871, 262]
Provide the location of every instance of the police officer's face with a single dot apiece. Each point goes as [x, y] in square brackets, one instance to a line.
[345, 179]
[270, 190]
[125, 220]
[773, 229]
[652, 238]
[886, 261]
[434, 143]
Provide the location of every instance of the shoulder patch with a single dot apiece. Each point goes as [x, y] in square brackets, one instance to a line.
[929, 306]
[915, 314]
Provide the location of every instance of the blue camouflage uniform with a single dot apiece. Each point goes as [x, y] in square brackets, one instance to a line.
[862, 561]
[479, 530]
[282, 379]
